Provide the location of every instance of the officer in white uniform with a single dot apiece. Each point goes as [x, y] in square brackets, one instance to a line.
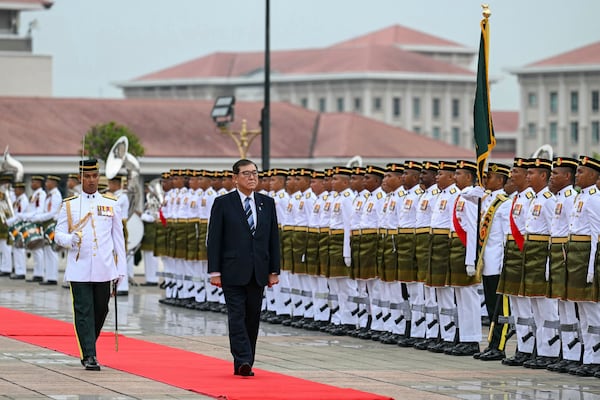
[90, 227]
[115, 187]
[18, 253]
[36, 205]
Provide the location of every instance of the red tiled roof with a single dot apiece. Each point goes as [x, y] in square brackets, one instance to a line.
[184, 128]
[397, 35]
[586, 55]
[343, 134]
[311, 61]
[27, 4]
[506, 121]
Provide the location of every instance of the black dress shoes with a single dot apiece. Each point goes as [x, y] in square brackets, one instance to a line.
[149, 284]
[90, 363]
[517, 360]
[463, 349]
[4, 273]
[563, 366]
[36, 279]
[585, 370]
[492, 355]
[540, 362]
[244, 370]
[17, 276]
[122, 293]
[48, 283]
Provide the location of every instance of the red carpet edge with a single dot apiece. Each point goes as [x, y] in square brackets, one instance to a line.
[184, 369]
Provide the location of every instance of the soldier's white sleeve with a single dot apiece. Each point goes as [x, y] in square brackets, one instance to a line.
[61, 232]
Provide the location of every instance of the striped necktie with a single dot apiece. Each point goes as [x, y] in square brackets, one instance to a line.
[249, 217]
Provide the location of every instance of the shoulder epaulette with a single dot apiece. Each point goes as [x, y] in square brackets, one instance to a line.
[401, 193]
[568, 193]
[488, 191]
[325, 197]
[435, 191]
[453, 190]
[529, 195]
[308, 195]
[379, 195]
[209, 192]
[593, 191]
[547, 195]
[71, 198]
[298, 196]
[281, 195]
[346, 194]
[367, 195]
[336, 194]
[108, 196]
[419, 191]
[502, 196]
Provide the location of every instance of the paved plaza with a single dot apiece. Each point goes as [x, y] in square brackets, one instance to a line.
[30, 372]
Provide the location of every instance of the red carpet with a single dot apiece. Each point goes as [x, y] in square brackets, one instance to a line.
[187, 370]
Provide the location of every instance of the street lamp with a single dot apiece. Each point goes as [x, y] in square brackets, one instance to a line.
[223, 114]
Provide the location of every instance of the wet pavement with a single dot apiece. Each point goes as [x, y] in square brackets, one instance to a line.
[30, 372]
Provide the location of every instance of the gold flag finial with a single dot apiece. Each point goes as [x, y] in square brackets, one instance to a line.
[486, 11]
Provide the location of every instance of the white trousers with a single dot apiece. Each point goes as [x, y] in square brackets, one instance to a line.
[5, 256]
[469, 313]
[150, 266]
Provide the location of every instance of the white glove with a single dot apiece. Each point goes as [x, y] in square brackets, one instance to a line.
[470, 270]
[75, 239]
[348, 261]
[119, 280]
[590, 277]
[547, 275]
[473, 194]
[147, 217]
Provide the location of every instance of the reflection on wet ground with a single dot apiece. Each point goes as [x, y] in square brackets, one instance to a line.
[341, 361]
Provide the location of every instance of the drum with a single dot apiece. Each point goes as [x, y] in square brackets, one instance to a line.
[32, 236]
[15, 233]
[49, 236]
[135, 233]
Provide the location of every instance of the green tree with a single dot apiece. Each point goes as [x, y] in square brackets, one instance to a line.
[100, 138]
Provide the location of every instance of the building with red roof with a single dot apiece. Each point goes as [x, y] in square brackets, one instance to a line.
[46, 134]
[560, 103]
[397, 75]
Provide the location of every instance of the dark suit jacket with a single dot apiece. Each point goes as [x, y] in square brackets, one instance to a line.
[233, 250]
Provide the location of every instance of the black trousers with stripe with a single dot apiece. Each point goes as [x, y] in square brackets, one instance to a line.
[90, 308]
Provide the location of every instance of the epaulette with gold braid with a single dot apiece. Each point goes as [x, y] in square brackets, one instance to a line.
[529, 195]
[110, 197]
[547, 195]
[71, 198]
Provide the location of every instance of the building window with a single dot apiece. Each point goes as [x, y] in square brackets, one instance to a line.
[553, 102]
[436, 108]
[574, 132]
[396, 106]
[436, 132]
[455, 108]
[574, 102]
[532, 100]
[416, 107]
[455, 136]
[531, 130]
[553, 133]
[357, 104]
[377, 104]
[322, 104]
[595, 101]
[340, 104]
[595, 132]
[304, 102]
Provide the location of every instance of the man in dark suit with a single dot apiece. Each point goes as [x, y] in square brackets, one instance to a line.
[243, 257]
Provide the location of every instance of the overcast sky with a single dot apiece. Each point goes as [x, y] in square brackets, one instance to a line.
[96, 43]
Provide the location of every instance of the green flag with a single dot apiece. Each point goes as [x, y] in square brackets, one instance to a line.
[482, 116]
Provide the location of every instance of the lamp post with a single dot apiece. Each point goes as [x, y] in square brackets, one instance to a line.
[266, 111]
[223, 114]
